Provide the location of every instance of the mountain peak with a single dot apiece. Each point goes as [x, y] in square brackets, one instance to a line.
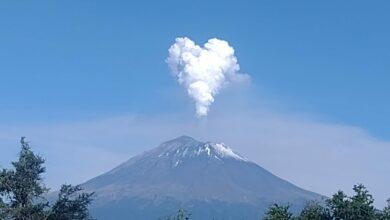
[187, 147]
[209, 179]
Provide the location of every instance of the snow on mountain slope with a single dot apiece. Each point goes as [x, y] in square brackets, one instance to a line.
[208, 179]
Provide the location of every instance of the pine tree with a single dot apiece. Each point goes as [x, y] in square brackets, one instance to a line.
[22, 187]
[22, 192]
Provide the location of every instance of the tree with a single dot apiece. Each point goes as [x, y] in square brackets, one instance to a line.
[278, 212]
[22, 187]
[314, 211]
[358, 207]
[71, 204]
[3, 208]
[22, 192]
[385, 213]
[362, 204]
[339, 205]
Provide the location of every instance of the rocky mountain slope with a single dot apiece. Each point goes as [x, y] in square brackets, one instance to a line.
[209, 180]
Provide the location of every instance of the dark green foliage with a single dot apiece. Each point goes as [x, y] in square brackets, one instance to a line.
[71, 204]
[358, 207]
[314, 211]
[338, 207]
[22, 190]
[3, 208]
[362, 204]
[279, 212]
[385, 214]
[22, 187]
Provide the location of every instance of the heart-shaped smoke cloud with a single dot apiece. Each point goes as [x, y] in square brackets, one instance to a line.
[203, 71]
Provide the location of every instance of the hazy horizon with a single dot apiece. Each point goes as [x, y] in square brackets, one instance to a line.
[304, 93]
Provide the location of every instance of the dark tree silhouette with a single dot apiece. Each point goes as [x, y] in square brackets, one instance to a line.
[385, 213]
[22, 192]
[338, 207]
[21, 188]
[358, 207]
[279, 212]
[71, 204]
[314, 211]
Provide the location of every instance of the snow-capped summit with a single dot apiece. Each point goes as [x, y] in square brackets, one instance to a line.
[208, 179]
[187, 147]
[224, 151]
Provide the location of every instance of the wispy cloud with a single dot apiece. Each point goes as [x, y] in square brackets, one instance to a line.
[322, 157]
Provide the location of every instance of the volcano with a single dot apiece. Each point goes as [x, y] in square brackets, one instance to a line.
[208, 180]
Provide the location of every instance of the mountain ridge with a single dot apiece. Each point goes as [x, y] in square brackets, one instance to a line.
[208, 179]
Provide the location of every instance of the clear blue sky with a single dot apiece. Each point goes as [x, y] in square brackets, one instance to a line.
[63, 60]
[74, 73]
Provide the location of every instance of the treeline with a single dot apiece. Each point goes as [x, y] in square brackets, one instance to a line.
[339, 207]
[23, 197]
[22, 193]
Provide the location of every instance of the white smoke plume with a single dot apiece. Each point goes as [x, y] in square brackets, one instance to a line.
[203, 71]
